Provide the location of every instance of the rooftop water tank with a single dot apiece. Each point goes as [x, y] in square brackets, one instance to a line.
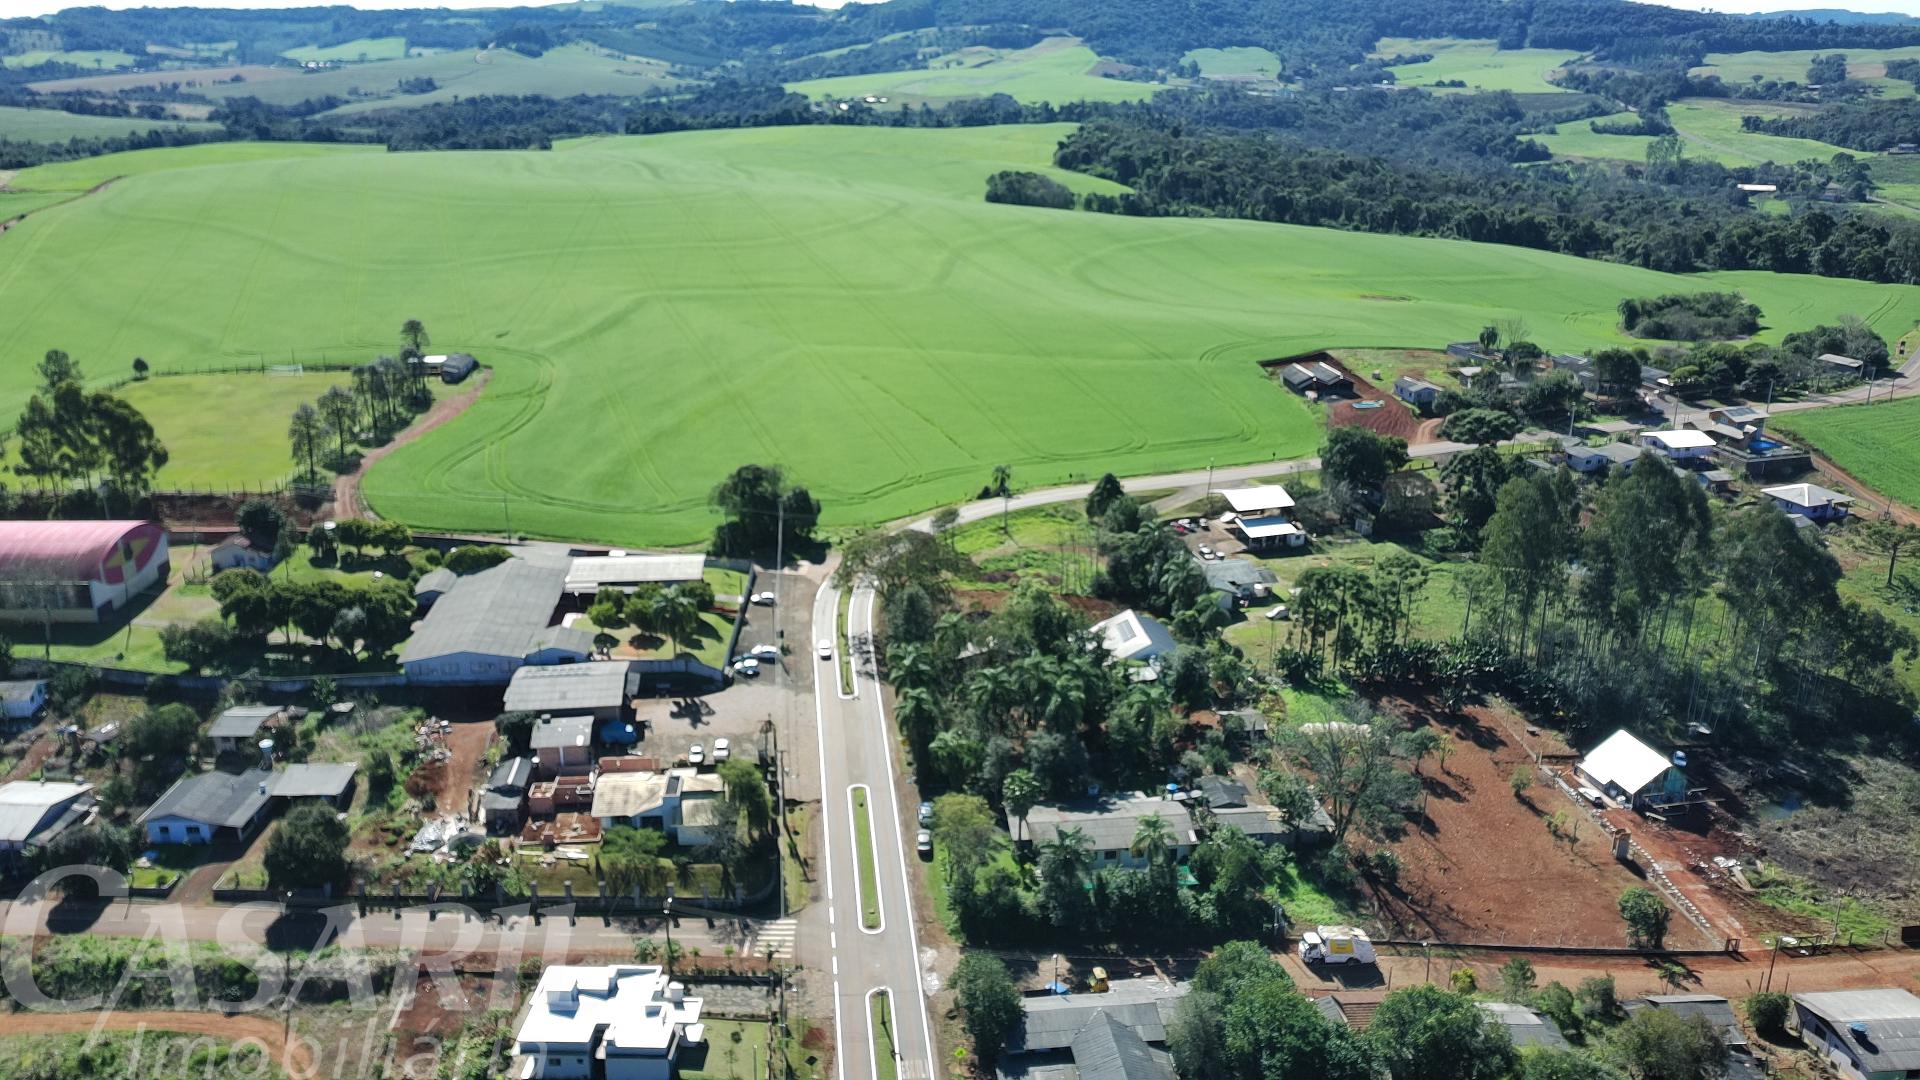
[1679, 759]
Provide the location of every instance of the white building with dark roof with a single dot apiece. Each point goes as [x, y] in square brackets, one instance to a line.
[621, 1022]
[33, 812]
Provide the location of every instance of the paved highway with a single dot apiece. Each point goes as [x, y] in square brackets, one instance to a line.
[855, 744]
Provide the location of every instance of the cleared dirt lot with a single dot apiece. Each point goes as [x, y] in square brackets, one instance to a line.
[1481, 864]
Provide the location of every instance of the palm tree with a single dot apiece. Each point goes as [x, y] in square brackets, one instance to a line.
[910, 665]
[1152, 840]
[1065, 863]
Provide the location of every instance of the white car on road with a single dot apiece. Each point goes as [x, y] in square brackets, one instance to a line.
[824, 648]
[764, 599]
[764, 652]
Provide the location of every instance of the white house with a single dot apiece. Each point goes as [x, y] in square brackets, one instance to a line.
[618, 1022]
[1131, 636]
[1864, 1034]
[1629, 770]
[1593, 459]
[22, 699]
[1680, 444]
[1810, 501]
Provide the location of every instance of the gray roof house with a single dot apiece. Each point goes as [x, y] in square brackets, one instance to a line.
[1416, 392]
[505, 799]
[1109, 826]
[1238, 579]
[1865, 1034]
[1526, 1027]
[204, 807]
[1592, 459]
[598, 688]
[1267, 825]
[1717, 1010]
[489, 625]
[1119, 1034]
[433, 585]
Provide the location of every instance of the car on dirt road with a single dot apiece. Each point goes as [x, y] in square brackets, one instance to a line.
[923, 843]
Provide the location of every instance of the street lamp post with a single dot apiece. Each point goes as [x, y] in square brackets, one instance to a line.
[667, 910]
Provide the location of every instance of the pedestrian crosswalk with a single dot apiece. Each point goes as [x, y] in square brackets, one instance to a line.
[777, 936]
[913, 1070]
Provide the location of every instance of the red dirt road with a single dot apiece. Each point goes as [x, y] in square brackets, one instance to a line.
[346, 488]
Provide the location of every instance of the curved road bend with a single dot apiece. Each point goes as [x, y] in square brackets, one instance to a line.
[856, 750]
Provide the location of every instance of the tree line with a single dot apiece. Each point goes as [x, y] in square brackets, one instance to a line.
[69, 436]
[382, 398]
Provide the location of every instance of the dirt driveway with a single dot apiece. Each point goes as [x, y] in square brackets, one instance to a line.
[346, 488]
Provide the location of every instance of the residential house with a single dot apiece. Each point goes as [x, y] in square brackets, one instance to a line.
[1845, 365]
[33, 812]
[680, 802]
[1131, 637]
[588, 574]
[1863, 1034]
[1525, 1026]
[503, 805]
[210, 807]
[1418, 393]
[1268, 825]
[597, 689]
[490, 624]
[562, 743]
[1810, 501]
[1609, 458]
[1716, 481]
[1351, 1008]
[1580, 367]
[616, 1022]
[1631, 772]
[237, 552]
[1259, 501]
[1679, 445]
[1110, 826]
[77, 571]
[1718, 1012]
[22, 699]
[1745, 417]
[1471, 352]
[238, 730]
[1117, 1034]
[1238, 581]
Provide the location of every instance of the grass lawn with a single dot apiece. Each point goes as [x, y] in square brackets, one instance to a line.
[1239, 61]
[1577, 138]
[736, 1050]
[1875, 443]
[709, 648]
[1478, 63]
[1057, 70]
[863, 851]
[1864, 65]
[793, 873]
[95, 59]
[170, 862]
[915, 334]
[359, 49]
[52, 125]
[726, 582]
[203, 418]
[880, 1013]
[1437, 614]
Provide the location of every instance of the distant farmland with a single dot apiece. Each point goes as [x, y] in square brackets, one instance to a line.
[842, 301]
[1878, 444]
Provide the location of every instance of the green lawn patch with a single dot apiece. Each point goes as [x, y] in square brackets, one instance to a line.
[947, 335]
[886, 1064]
[863, 851]
[843, 652]
[1237, 62]
[204, 418]
[736, 1050]
[1874, 443]
[1057, 70]
[793, 871]
[52, 125]
[95, 59]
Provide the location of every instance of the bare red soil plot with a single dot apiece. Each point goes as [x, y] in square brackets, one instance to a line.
[1481, 864]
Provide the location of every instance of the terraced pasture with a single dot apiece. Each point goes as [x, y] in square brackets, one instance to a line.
[841, 301]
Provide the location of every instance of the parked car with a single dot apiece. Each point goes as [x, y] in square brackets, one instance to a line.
[824, 648]
[926, 813]
[764, 652]
[722, 750]
[1278, 612]
[1206, 552]
[746, 665]
[1593, 796]
[697, 756]
[923, 843]
[764, 599]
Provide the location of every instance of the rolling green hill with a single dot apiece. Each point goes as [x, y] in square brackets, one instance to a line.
[574, 69]
[658, 310]
[52, 125]
[1056, 70]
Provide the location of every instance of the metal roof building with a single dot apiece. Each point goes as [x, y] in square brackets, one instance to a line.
[1110, 825]
[198, 807]
[1524, 1026]
[490, 624]
[1050, 1023]
[34, 812]
[598, 687]
[1133, 636]
[590, 573]
[315, 781]
[77, 571]
[1863, 1033]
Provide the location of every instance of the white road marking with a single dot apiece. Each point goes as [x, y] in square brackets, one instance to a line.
[839, 1059]
[820, 741]
[833, 939]
[836, 965]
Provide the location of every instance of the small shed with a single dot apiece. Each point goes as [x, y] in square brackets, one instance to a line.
[1717, 481]
[1632, 772]
[503, 806]
[1418, 393]
[457, 366]
[327, 782]
[22, 699]
[238, 729]
[1846, 365]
